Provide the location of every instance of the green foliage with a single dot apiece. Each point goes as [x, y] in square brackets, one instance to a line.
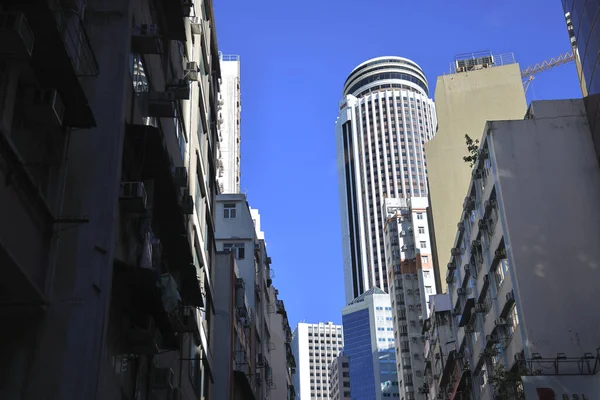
[507, 384]
[472, 148]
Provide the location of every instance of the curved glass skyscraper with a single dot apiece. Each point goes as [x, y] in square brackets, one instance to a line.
[385, 118]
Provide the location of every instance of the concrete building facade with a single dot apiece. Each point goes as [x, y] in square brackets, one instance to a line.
[233, 321]
[385, 118]
[315, 347]
[481, 88]
[108, 141]
[412, 282]
[369, 346]
[282, 356]
[230, 114]
[439, 343]
[237, 232]
[510, 259]
[339, 378]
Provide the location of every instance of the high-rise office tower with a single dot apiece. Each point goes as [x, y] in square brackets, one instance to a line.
[584, 33]
[230, 119]
[369, 346]
[315, 347]
[481, 87]
[385, 118]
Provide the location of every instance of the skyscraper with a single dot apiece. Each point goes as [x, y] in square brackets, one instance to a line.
[229, 119]
[369, 346]
[385, 118]
[584, 33]
[315, 347]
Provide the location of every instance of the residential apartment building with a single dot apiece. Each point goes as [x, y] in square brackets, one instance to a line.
[439, 344]
[369, 346]
[385, 118]
[233, 321]
[237, 232]
[339, 378]
[108, 143]
[282, 357]
[230, 119]
[315, 347]
[412, 282]
[514, 258]
[481, 87]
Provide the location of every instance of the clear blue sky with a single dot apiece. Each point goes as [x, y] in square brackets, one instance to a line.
[295, 56]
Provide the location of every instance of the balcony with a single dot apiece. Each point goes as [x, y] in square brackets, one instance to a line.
[24, 246]
[169, 220]
[138, 292]
[174, 12]
[62, 53]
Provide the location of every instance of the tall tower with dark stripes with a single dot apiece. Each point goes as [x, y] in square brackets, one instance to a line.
[385, 118]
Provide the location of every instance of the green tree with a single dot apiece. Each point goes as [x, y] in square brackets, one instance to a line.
[472, 148]
[507, 384]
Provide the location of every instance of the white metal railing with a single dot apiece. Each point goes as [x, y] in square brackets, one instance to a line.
[475, 60]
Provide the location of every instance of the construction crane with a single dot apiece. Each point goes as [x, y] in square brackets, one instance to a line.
[528, 74]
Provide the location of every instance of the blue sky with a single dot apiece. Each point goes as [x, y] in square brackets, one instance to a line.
[295, 57]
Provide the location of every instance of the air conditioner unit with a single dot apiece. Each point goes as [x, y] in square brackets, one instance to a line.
[180, 176]
[133, 197]
[461, 291]
[500, 322]
[491, 338]
[456, 251]
[16, 37]
[451, 266]
[461, 226]
[195, 25]
[402, 233]
[191, 71]
[476, 243]
[162, 379]
[480, 308]
[482, 225]
[187, 204]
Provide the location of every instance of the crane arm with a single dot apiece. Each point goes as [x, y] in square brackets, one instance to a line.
[547, 64]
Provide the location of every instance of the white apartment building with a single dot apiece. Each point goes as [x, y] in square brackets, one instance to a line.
[230, 113]
[385, 119]
[315, 347]
[236, 231]
[369, 346]
[412, 281]
[523, 270]
[339, 378]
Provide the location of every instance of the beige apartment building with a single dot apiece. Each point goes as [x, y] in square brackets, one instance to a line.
[108, 142]
[524, 263]
[481, 87]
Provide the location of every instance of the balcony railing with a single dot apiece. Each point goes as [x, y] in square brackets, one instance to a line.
[76, 43]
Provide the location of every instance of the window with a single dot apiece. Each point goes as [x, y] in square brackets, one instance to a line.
[425, 260]
[428, 290]
[419, 215]
[229, 211]
[421, 229]
[138, 73]
[423, 245]
[238, 249]
[500, 272]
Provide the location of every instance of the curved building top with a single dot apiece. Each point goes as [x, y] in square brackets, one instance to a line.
[385, 73]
